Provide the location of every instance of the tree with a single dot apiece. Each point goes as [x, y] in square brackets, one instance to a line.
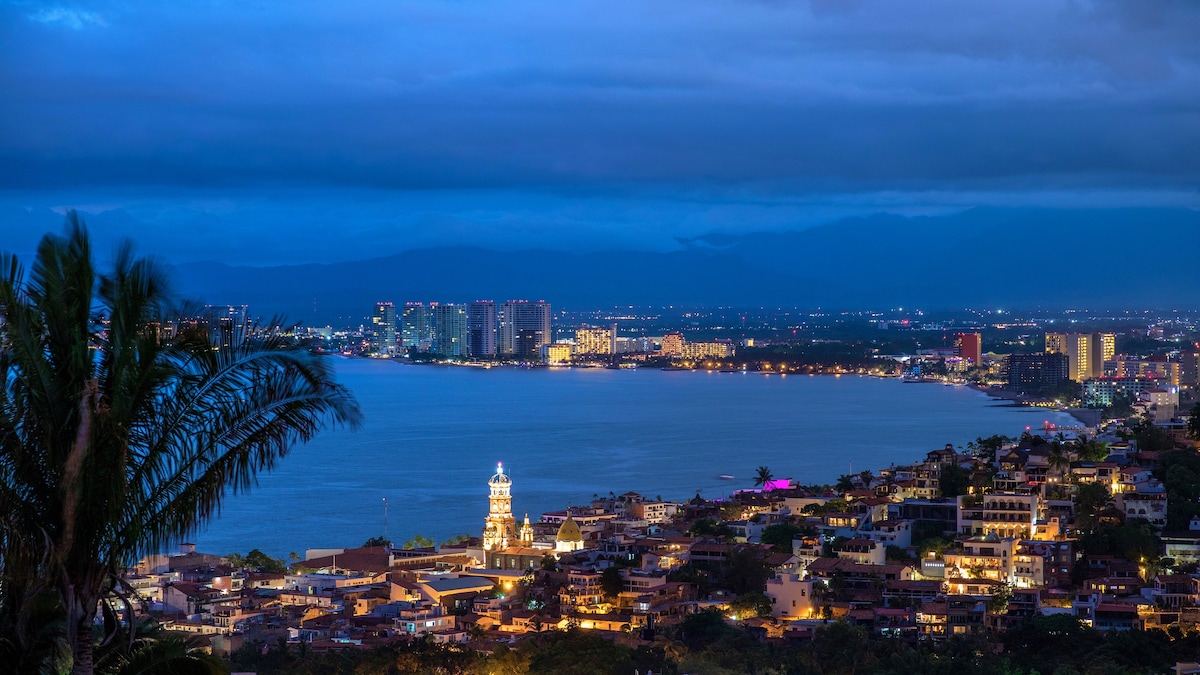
[1090, 500]
[418, 541]
[611, 582]
[376, 541]
[987, 447]
[1058, 458]
[845, 483]
[780, 536]
[257, 561]
[763, 477]
[119, 437]
[1193, 425]
[953, 480]
[1090, 450]
[750, 604]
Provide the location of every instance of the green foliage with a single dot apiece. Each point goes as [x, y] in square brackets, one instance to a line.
[998, 603]
[751, 604]
[1090, 500]
[703, 629]
[954, 480]
[457, 539]
[707, 526]
[745, 572]
[763, 476]
[376, 541]
[418, 541]
[780, 536]
[691, 574]
[1179, 470]
[845, 483]
[577, 652]
[1136, 541]
[611, 582]
[1193, 425]
[935, 545]
[1121, 407]
[257, 561]
[987, 447]
[1150, 438]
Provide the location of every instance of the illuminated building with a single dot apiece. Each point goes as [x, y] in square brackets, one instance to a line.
[1085, 352]
[1102, 391]
[1108, 347]
[526, 534]
[590, 340]
[499, 528]
[481, 328]
[450, 330]
[969, 346]
[569, 538]
[703, 350]
[414, 326]
[383, 329]
[556, 354]
[672, 344]
[524, 327]
[1155, 368]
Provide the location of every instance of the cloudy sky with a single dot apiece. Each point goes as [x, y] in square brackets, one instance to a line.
[253, 131]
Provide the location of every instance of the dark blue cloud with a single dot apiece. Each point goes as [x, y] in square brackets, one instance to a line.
[639, 108]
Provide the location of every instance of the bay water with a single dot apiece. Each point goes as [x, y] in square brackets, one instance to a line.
[433, 434]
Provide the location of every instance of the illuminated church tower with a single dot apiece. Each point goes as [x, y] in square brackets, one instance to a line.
[527, 533]
[500, 529]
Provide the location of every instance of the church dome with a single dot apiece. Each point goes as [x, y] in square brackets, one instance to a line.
[499, 478]
[569, 531]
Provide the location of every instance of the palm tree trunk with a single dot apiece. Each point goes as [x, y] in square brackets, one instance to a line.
[84, 648]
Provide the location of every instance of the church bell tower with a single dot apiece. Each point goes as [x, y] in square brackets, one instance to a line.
[499, 529]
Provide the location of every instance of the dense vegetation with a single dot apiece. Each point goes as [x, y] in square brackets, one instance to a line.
[706, 644]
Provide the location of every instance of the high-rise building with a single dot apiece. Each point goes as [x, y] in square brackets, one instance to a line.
[1086, 352]
[499, 527]
[1033, 373]
[481, 328]
[969, 346]
[590, 340]
[414, 326]
[450, 330]
[227, 325]
[672, 344]
[383, 329]
[524, 327]
[1108, 347]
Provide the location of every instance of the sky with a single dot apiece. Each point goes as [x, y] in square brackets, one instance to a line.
[255, 132]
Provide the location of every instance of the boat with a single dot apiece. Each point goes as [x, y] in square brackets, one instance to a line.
[725, 476]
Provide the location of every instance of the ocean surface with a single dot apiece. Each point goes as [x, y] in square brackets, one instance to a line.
[433, 435]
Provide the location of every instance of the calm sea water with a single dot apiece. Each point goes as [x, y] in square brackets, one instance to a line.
[433, 435]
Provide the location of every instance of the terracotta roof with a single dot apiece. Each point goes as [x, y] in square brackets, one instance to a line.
[366, 559]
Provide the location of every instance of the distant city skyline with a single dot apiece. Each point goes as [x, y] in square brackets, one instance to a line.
[315, 133]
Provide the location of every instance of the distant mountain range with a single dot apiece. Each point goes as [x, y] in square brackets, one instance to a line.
[983, 257]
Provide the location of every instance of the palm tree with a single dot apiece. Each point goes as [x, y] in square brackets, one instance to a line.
[1058, 458]
[763, 476]
[119, 438]
[1090, 450]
